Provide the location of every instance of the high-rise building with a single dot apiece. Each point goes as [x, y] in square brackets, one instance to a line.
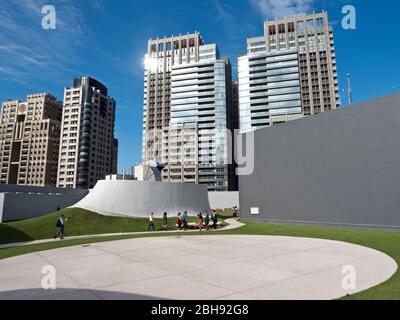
[29, 140]
[87, 134]
[288, 73]
[186, 111]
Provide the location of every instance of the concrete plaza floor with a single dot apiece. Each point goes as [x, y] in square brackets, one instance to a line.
[206, 267]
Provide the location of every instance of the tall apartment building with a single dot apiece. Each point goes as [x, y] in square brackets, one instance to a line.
[288, 73]
[186, 111]
[29, 140]
[87, 135]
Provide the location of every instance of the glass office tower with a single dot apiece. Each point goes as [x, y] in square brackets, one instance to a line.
[186, 111]
[288, 73]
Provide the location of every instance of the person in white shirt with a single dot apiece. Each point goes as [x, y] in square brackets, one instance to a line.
[151, 222]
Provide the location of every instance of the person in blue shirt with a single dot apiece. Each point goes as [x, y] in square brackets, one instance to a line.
[185, 220]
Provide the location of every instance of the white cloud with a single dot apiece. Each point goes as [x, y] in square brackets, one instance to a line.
[283, 8]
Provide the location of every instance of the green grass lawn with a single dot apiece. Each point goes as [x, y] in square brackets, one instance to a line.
[80, 222]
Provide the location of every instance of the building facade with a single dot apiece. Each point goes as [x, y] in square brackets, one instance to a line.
[288, 73]
[186, 111]
[87, 135]
[29, 140]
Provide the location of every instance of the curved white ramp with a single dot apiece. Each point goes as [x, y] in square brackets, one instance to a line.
[139, 199]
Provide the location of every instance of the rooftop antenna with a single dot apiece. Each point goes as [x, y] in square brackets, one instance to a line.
[349, 89]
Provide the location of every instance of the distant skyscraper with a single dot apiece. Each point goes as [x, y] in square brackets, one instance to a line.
[29, 140]
[87, 136]
[288, 73]
[186, 111]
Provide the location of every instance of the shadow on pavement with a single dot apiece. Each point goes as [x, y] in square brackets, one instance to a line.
[71, 294]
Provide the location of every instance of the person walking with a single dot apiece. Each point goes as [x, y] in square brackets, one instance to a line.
[200, 221]
[207, 221]
[179, 221]
[165, 221]
[151, 222]
[185, 220]
[215, 219]
[235, 212]
[60, 226]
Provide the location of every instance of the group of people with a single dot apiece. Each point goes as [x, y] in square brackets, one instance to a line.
[182, 221]
[204, 220]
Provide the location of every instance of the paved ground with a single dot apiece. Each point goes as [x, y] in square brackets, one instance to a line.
[206, 268]
[229, 225]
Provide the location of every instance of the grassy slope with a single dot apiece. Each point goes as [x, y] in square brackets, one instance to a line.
[80, 222]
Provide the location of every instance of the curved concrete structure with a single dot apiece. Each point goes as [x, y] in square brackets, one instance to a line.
[139, 198]
[237, 267]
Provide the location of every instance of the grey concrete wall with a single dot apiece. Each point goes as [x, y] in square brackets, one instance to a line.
[139, 199]
[338, 168]
[25, 202]
[30, 189]
[223, 200]
[20, 206]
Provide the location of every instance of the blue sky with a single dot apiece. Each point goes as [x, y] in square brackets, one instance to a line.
[107, 39]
